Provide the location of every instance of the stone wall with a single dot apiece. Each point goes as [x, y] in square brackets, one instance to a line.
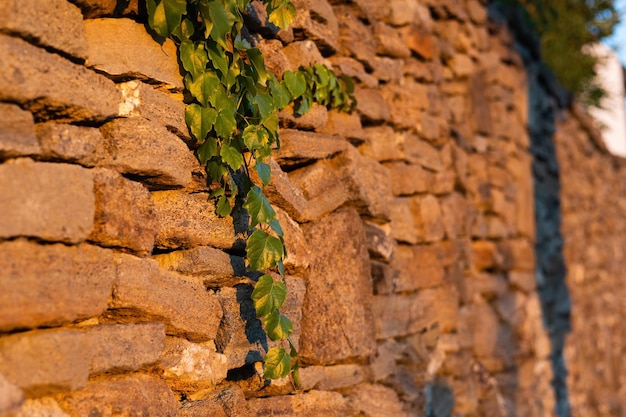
[410, 226]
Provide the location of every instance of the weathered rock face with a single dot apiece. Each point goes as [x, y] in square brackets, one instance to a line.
[439, 237]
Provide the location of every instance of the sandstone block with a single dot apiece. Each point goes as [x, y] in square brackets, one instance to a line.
[57, 284]
[298, 251]
[100, 8]
[380, 243]
[225, 402]
[46, 407]
[53, 202]
[336, 309]
[318, 22]
[285, 195]
[367, 183]
[427, 218]
[518, 254]
[388, 69]
[215, 267]
[347, 125]
[124, 215]
[302, 54]
[297, 147]
[314, 119]
[140, 99]
[311, 404]
[420, 41]
[143, 291]
[336, 377]
[405, 102]
[422, 153]
[524, 280]
[127, 347]
[415, 268]
[322, 187]
[123, 48]
[371, 105]
[401, 315]
[353, 68]
[79, 144]
[485, 255]
[402, 224]
[191, 366]
[46, 362]
[455, 213]
[55, 24]
[382, 144]
[390, 42]
[132, 395]
[11, 397]
[17, 132]
[375, 401]
[189, 220]
[136, 146]
[241, 337]
[409, 179]
[355, 38]
[51, 86]
[272, 49]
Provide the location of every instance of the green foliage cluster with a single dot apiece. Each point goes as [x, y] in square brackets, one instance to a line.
[566, 27]
[232, 113]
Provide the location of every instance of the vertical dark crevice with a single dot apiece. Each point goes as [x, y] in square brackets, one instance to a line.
[545, 99]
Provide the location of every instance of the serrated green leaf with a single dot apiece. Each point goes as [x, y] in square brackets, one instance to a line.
[165, 16]
[200, 120]
[218, 57]
[255, 137]
[295, 83]
[303, 106]
[277, 326]
[256, 59]
[222, 208]
[280, 95]
[283, 16]
[216, 170]
[258, 207]
[271, 124]
[263, 251]
[264, 172]
[207, 150]
[268, 295]
[222, 20]
[204, 86]
[194, 57]
[322, 74]
[231, 155]
[218, 192]
[277, 364]
[295, 374]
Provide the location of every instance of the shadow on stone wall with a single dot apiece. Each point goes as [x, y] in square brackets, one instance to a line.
[545, 99]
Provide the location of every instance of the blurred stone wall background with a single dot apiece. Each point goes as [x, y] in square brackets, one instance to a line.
[410, 225]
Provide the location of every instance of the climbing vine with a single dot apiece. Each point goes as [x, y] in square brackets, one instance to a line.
[232, 104]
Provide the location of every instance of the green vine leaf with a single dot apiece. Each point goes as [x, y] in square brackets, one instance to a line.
[218, 21]
[277, 326]
[258, 207]
[194, 58]
[200, 120]
[277, 364]
[256, 59]
[295, 83]
[165, 16]
[203, 88]
[263, 251]
[283, 15]
[255, 137]
[231, 155]
[223, 208]
[268, 295]
[264, 172]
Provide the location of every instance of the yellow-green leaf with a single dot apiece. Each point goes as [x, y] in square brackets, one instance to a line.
[277, 364]
[268, 295]
[263, 251]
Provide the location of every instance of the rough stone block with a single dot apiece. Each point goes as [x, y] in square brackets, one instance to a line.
[46, 362]
[347, 125]
[302, 54]
[132, 395]
[382, 144]
[485, 255]
[311, 404]
[371, 105]
[11, 397]
[455, 213]
[241, 337]
[316, 19]
[17, 132]
[353, 68]
[136, 146]
[52, 284]
[140, 99]
[123, 48]
[405, 102]
[125, 347]
[409, 179]
[215, 267]
[143, 291]
[285, 195]
[298, 251]
[415, 268]
[355, 38]
[380, 243]
[336, 310]
[192, 366]
[79, 144]
[321, 186]
[401, 315]
[104, 8]
[402, 224]
[337, 377]
[52, 202]
[189, 220]
[228, 401]
[427, 218]
[367, 183]
[56, 24]
[375, 401]
[44, 407]
[420, 41]
[390, 42]
[124, 215]
[51, 86]
[297, 147]
[314, 119]
[422, 153]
